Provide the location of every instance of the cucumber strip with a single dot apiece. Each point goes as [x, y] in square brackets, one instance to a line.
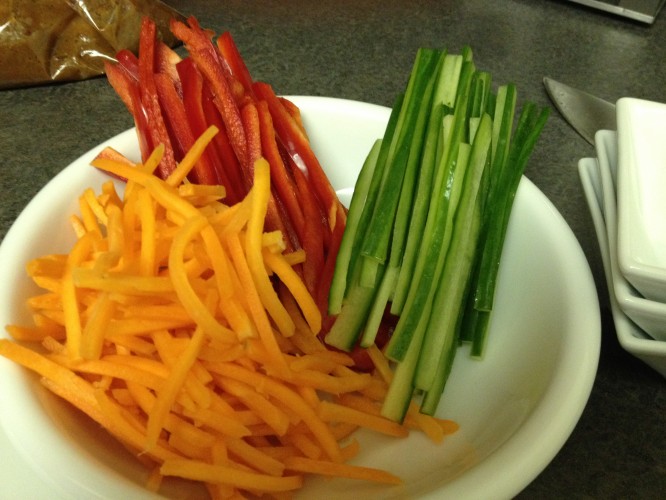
[419, 210]
[405, 202]
[426, 228]
[401, 390]
[419, 298]
[350, 322]
[505, 106]
[447, 87]
[443, 100]
[480, 330]
[373, 190]
[503, 111]
[529, 127]
[356, 206]
[377, 238]
[432, 398]
[376, 310]
[403, 220]
[447, 303]
[481, 85]
[433, 239]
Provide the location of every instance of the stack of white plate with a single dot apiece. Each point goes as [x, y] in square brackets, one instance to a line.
[625, 187]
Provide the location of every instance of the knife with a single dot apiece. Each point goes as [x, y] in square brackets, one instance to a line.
[584, 112]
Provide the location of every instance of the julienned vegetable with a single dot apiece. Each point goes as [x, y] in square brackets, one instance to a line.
[174, 99]
[162, 325]
[427, 223]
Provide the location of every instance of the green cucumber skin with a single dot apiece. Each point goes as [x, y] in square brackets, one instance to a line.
[432, 222]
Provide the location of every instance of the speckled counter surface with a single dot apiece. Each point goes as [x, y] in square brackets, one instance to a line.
[363, 50]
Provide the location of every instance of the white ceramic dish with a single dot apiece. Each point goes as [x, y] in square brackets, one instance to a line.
[516, 408]
[641, 238]
[650, 315]
[631, 337]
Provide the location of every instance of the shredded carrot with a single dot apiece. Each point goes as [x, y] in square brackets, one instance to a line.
[303, 464]
[192, 469]
[181, 326]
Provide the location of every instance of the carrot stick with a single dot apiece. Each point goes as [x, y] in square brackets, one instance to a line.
[253, 244]
[325, 468]
[192, 469]
[168, 392]
[332, 412]
[290, 399]
[291, 280]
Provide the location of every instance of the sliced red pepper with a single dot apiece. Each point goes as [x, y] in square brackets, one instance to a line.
[312, 240]
[149, 98]
[129, 61]
[111, 154]
[192, 88]
[281, 178]
[181, 132]
[173, 113]
[235, 64]
[299, 149]
[229, 164]
[121, 81]
[295, 113]
[166, 60]
[250, 118]
[276, 216]
[127, 88]
[202, 50]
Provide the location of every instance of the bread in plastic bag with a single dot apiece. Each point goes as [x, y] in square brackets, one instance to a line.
[44, 41]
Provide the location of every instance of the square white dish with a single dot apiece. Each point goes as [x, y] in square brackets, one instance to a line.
[650, 315]
[632, 339]
[641, 238]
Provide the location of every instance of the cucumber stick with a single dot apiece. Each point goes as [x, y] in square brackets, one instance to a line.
[448, 299]
[427, 221]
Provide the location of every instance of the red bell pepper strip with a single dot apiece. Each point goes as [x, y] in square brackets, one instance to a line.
[229, 164]
[173, 113]
[276, 216]
[234, 61]
[313, 229]
[182, 136]
[124, 78]
[295, 113]
[192, 88]
[149, 98]
[129, 61]
[250, 118]
[166, 60]
[281, 178]
[202, 50]
[122, 82]
[277, 219]
[326, 277]
[126, 86]
[299, 149]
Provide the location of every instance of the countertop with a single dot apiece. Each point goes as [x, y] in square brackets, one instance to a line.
[363, 50]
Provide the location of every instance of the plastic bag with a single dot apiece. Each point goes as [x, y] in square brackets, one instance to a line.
[44, 41]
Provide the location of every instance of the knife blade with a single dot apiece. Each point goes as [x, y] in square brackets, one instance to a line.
[585, 112]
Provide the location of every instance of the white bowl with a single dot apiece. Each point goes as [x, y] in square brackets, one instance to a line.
[641, 238]
[650, 315]
[632, 338]
[516, 408]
